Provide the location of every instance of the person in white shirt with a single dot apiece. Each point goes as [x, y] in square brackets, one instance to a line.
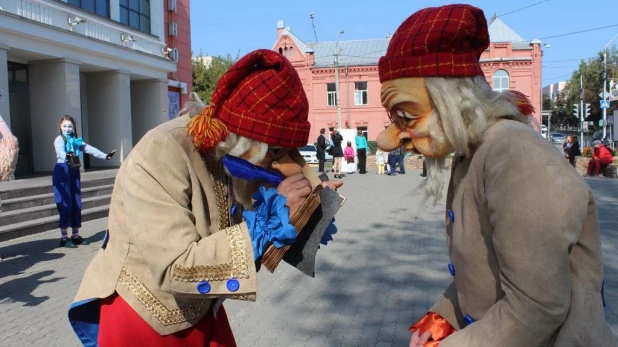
[66, 179]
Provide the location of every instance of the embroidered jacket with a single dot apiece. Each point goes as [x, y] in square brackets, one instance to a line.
[171, 248]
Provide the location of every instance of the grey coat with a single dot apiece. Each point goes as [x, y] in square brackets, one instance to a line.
[525, 248]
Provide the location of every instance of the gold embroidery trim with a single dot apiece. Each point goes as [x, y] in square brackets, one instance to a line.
[237, 268]
[217, 174]
[244, 297]
[165, 316]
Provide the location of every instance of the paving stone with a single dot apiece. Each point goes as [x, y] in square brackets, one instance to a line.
[382, 272]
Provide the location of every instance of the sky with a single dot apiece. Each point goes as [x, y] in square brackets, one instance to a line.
[237, 27]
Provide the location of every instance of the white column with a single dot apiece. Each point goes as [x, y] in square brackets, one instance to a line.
[109, 115]
[157, 19]
[149, 106]
[114, 10]
[54, 93]
[5, 110]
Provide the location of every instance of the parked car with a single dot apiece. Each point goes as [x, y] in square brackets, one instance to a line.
[309, 153]
[558, 138]
[544, 130]
[328, 157]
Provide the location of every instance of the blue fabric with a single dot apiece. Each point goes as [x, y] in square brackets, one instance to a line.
[270, 222]
[240, 168]
[361, 142]
[84, 319]
[74, 145]
[68, 196]
[328, 234]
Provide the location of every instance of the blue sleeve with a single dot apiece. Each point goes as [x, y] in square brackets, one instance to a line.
[86, 148]
[61, 154]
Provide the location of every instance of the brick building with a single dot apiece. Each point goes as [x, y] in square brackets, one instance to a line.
[510, 62]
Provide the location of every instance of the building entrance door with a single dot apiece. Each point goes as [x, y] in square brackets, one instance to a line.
[21, 125]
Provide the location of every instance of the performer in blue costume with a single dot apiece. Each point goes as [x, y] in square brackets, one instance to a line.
[66, 179]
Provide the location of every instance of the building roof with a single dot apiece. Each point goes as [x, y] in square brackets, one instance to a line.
[298, 42]
[500, 32]
[351, 53]
[368, 52]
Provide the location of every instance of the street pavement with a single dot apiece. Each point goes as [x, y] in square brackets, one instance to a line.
[385, 267]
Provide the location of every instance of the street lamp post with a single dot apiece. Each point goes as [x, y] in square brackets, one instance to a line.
[337, 98]
[604, 90]
[541, 87]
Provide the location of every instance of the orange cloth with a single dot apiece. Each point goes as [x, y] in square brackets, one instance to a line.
[120, 325]
[435, 324]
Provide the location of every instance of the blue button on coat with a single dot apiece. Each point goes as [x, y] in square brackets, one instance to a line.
[451, 269]
[203, 287]
[233, 285]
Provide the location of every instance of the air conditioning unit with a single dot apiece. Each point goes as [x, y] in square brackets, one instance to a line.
[172, 5]
[173, 54]
[173, 29]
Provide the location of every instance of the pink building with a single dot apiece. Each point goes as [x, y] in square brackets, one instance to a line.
[509, 63]
[513, 63]
[178, 39]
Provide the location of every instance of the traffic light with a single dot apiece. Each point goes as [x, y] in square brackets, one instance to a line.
[586, 110]
[576, 111]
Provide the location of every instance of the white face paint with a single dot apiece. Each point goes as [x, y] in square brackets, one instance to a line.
[67, 128]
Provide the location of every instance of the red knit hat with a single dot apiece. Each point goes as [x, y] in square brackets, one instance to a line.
[444, 41]
[260, 97]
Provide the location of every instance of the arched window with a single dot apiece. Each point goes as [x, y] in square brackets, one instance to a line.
[280, 50]
[501, 80]
[290, 52]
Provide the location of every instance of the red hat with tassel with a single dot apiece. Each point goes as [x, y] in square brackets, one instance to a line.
[260, 97]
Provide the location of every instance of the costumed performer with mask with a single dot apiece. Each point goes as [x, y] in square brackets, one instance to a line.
[527, 270]
[184, 234]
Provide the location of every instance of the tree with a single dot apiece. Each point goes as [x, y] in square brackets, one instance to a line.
[207, 72]
[591, 72]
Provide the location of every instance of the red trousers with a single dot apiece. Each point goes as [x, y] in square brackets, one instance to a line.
[596, 165]
[120, 326]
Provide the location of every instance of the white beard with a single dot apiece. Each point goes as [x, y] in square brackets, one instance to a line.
[434, 183]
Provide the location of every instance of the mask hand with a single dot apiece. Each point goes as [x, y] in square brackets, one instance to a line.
[334, 184]
[296, 189]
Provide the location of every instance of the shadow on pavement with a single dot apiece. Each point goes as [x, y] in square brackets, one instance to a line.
[22, 256]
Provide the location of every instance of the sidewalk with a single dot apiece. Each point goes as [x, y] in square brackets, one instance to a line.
[384, 269]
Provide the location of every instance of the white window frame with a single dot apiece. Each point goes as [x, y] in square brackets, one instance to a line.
[358, 94]
[331, 95]
[503, 78]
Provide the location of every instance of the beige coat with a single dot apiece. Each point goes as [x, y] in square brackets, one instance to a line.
[525, 247]
[169, 232]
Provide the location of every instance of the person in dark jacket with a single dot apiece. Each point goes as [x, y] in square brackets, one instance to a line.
[337, 152]
[321, 150]
[574, 150]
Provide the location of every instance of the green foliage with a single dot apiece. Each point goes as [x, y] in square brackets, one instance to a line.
[205, 77]
[591, 72]
[373, 146]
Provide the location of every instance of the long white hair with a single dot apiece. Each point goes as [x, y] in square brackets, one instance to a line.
[463, 109]
[235, 145]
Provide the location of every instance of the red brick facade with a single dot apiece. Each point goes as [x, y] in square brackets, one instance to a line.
[182, 17]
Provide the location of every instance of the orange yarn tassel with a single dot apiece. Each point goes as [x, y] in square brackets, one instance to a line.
[206, 130]
[523, 103]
